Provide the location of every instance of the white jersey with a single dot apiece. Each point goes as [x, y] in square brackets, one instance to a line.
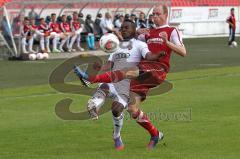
[128, 55]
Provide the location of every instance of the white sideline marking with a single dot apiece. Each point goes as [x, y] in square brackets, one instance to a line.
[211, 64]
[31, 96]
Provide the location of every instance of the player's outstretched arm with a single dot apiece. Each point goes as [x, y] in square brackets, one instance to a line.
[178, 49]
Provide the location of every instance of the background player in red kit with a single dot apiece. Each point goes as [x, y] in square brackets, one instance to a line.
[27, 36]
[37, 35]
[44, 28]
[150, 74]
[232, 27]
[56, 32]
[76, 29]
[66, 29]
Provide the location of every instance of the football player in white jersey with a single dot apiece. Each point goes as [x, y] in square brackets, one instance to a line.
[129, 54]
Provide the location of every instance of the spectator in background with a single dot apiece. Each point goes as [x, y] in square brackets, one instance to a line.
[81, 20]
[107, 24]
[141, 22]
[150, 22]
[119, 21]
[116, 17]
[232, 27]
[133, 18]
[90, 28]
[126, 17]
[48, 19]
[97, 25]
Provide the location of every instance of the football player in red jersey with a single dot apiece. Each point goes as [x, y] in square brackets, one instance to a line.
[163, 39]
[56, 32]
[231, 20]
[76, 29]
[149, 74]
[66, 29]
[37, 35]
[27, 38]
[44, 28]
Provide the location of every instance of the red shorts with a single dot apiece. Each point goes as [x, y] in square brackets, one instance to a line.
[151, 75]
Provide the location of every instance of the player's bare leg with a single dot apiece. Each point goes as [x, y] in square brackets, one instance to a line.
[142, 119]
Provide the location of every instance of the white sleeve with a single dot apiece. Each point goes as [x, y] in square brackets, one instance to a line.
[143, 49]
[176, 38]
[141, 37]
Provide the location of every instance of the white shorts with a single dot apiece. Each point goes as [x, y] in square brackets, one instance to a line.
[116, 96]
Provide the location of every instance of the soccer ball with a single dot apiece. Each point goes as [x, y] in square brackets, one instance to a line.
[234, 44]
[45, 56]
[39, 56]
[109, 43]
[32, 57]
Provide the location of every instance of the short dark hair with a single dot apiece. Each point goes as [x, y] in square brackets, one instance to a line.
[130, 21]
[53, 14]
[26, 18]
[232, 9]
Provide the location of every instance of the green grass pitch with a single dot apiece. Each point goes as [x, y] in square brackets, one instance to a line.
[206, 88]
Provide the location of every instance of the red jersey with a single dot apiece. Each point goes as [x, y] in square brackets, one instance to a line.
[25, 30]
[43, 28]
[155, 71]
[156, 45]
[75, 25]
[34, 27]
[65, 27]
[54, 26]
[232, 20]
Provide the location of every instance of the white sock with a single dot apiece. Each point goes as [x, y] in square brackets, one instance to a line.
[47, 39]
[42, 43]
[78, 41]
[24, 45]
[73, 39]
[30, 44]
[117, 123]
[62, 43]
[55, 41]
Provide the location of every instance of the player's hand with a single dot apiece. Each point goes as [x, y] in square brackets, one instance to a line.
[164, 37]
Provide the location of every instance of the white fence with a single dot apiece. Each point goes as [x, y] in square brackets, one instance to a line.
[203, 21]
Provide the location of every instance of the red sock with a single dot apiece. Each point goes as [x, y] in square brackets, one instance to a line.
[107, 77]
[143, 120]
